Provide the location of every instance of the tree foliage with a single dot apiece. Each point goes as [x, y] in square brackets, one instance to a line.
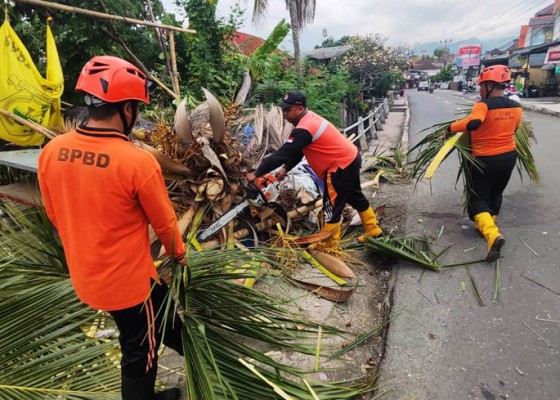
[332, 42]
[444, 75]
[326, 87]
[206, 58]
[81, 37]
[440, 52]
[374, 66]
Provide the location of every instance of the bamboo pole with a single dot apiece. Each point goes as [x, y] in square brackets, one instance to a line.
[96, 14]
[161, 42]
[30, 124]
[174, 74]
[140, 64]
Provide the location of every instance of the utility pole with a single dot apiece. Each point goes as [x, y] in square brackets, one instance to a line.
[444, 43]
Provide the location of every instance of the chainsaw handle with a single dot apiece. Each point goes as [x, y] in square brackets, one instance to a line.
[254, 191]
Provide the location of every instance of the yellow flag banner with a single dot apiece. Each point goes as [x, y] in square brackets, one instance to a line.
[24, 92]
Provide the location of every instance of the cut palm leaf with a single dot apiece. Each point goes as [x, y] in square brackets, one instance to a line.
[442, 154]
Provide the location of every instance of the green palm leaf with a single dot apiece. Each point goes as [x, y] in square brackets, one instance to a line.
[46, 355]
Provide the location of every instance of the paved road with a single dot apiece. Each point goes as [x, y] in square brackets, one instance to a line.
[445, 345]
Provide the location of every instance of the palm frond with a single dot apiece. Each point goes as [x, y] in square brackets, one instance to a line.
[430, 152]
[47, 354]
[416, 250]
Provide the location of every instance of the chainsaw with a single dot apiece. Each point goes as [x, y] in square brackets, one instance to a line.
[262, 192]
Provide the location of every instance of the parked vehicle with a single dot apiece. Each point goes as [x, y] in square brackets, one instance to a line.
[431, 89]
[511, 90]
[423, 86]
[469, 89]
[532, 91]
[401, 92]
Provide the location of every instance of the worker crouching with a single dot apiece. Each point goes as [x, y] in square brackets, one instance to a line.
[332, 156]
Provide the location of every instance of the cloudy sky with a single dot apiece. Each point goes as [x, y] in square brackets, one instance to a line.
[409, 22]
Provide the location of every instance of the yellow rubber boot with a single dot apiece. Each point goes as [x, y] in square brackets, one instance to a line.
[488, 229]
[369, 221]
[335, 229]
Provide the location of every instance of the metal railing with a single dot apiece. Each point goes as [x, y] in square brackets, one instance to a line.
[375, 121]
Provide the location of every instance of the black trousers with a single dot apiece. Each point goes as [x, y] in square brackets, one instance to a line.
[341, 187]
[490, 182]
[140, 330]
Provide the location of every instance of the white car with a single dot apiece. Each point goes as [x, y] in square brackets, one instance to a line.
[423, 86]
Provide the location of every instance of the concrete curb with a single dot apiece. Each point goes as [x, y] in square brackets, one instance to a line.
[405, 128]
[540, 109]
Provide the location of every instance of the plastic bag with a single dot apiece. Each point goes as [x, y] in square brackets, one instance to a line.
[24, 92]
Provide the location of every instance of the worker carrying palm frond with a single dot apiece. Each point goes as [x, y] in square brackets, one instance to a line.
[492, 123]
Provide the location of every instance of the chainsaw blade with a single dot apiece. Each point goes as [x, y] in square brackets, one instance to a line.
[223, 221]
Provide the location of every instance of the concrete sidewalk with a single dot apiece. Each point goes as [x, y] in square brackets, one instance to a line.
[543, 105]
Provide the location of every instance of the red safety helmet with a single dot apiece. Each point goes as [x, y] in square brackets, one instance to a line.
[112, 80]
[495, 73]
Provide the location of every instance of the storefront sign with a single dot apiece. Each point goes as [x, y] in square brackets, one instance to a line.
[470, 56]
[553, 55]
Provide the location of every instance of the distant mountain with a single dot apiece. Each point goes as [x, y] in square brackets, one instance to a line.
[488, 44]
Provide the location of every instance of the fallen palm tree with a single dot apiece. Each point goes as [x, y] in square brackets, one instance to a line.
[54, 346]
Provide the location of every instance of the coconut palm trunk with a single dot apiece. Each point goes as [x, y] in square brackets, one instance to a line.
[293, 8]
[301, 13]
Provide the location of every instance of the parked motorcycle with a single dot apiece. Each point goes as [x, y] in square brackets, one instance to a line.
[431, 89]
[401, 92]
[532, 91]
[512, 91]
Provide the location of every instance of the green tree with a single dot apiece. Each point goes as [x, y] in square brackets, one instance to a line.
[302, 12]
[444, 75]
[440, 52]
[203, 56]
[81, 37]
[373, 65]
[331, 42]
[326, 87]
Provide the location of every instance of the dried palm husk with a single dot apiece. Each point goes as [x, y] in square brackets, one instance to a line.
[215, 189]
[275, 127]
[258, 125]
[167, 164]
[211, 156]
[333, 264]
[329, 293]
[216, 117]
[244, 90]
[181, 124]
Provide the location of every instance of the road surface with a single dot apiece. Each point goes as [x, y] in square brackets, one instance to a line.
[444, 345]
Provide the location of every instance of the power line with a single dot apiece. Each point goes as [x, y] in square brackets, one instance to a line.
[510, 16]
[468, 26]
[511, 20]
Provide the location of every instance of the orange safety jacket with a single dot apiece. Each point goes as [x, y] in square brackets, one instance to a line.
[492, 123]
[329, 149]
[101, 192]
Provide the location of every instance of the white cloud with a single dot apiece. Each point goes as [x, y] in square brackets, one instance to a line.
[402, 21]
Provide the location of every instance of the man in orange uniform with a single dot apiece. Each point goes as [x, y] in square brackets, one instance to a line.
[331, 155]
[492, 124]
[101, 192]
